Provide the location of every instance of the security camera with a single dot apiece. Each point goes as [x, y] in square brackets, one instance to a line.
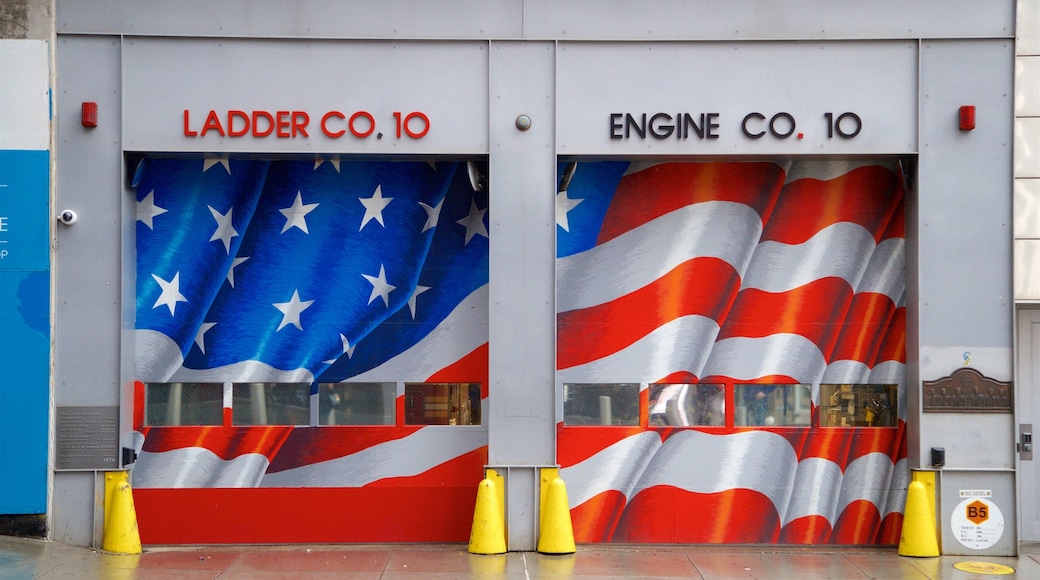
[68, 217]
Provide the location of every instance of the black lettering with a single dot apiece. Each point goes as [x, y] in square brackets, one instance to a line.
[688, 122]
[630, 123]
[744, 128]
[772, 125]
[615, 126]
[666, 126]
[712, 125]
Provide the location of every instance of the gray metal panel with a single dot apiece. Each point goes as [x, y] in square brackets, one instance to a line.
[766, 19]
[959, 488]
[75, 511]
[165, 77]
[522, 257]
[294, 19]
[965, 199]
[874, 80]
[87, 264]
[87, 260]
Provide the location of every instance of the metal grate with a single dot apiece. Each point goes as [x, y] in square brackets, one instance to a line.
[683, 405]
[601, 404]
[859, 405]
[270, 404]
[176, 404]
[356, 403]
[767, 405]
[442, 404]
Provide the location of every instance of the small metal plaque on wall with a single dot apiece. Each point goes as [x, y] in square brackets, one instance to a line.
[967, 390]
[87, 438]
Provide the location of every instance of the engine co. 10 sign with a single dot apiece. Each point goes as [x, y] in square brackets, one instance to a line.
[755, 125]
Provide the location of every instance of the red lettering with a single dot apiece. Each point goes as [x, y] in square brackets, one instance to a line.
[297, 125]
[371, 124]
[282, 123]
[212, 124]
[231, 116]
[188, 132]
[324, 124]
[257, 115]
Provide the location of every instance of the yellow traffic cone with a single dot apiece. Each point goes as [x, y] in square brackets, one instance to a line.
[488, 535]
[555, 534]
[918, 538]
[121, 533]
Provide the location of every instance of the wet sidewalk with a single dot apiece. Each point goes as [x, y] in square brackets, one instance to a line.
[24, 558]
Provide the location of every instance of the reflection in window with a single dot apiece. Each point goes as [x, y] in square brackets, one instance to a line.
[688, 404]
[270, 404]
[769, 405]
[356, 403]
[172, 404]
[859, 405]
[601, 404]
[442, 404]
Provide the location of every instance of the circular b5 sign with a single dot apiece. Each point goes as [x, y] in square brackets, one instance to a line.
[977, 523]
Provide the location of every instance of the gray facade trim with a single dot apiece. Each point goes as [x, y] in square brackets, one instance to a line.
[656, 20]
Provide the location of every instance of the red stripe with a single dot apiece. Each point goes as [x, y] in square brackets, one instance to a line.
[595, 520]
[806, 530]
[828, 443]
[867, 320]
[857, 525]
[665, 514]
[897, 225]
[472, 368]
[226, 443]
[702, 286]
[893, 346]
[305, 515]
[649, 194]
[891, 529]
[877, 440]
[307, 445]
[867, 196]
[810, 311]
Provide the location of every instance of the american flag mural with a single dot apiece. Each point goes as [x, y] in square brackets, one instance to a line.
[309, 272]
[725, 273]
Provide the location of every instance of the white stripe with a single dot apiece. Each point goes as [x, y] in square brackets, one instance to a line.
[157, 356]
[815, 492]
[423, 450]
[827, 170]
[682, 344]
[886, 272]
[197, 467]
[846, 372]
[895, 500]
[463, 331]
[249, 371]
[743, 358]
[24, 95]
[840, 250]
[866, 478]
[716, 229]
[616, 468]
[702, 463]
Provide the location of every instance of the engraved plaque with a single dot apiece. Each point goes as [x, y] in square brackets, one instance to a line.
[88, 438]
[967, 390]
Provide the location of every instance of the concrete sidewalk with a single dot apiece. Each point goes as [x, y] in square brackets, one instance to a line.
[24, 558]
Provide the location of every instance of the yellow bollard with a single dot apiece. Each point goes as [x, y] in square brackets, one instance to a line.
[918, 538]
[121, 533]
[488, 535]
[556, 535]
